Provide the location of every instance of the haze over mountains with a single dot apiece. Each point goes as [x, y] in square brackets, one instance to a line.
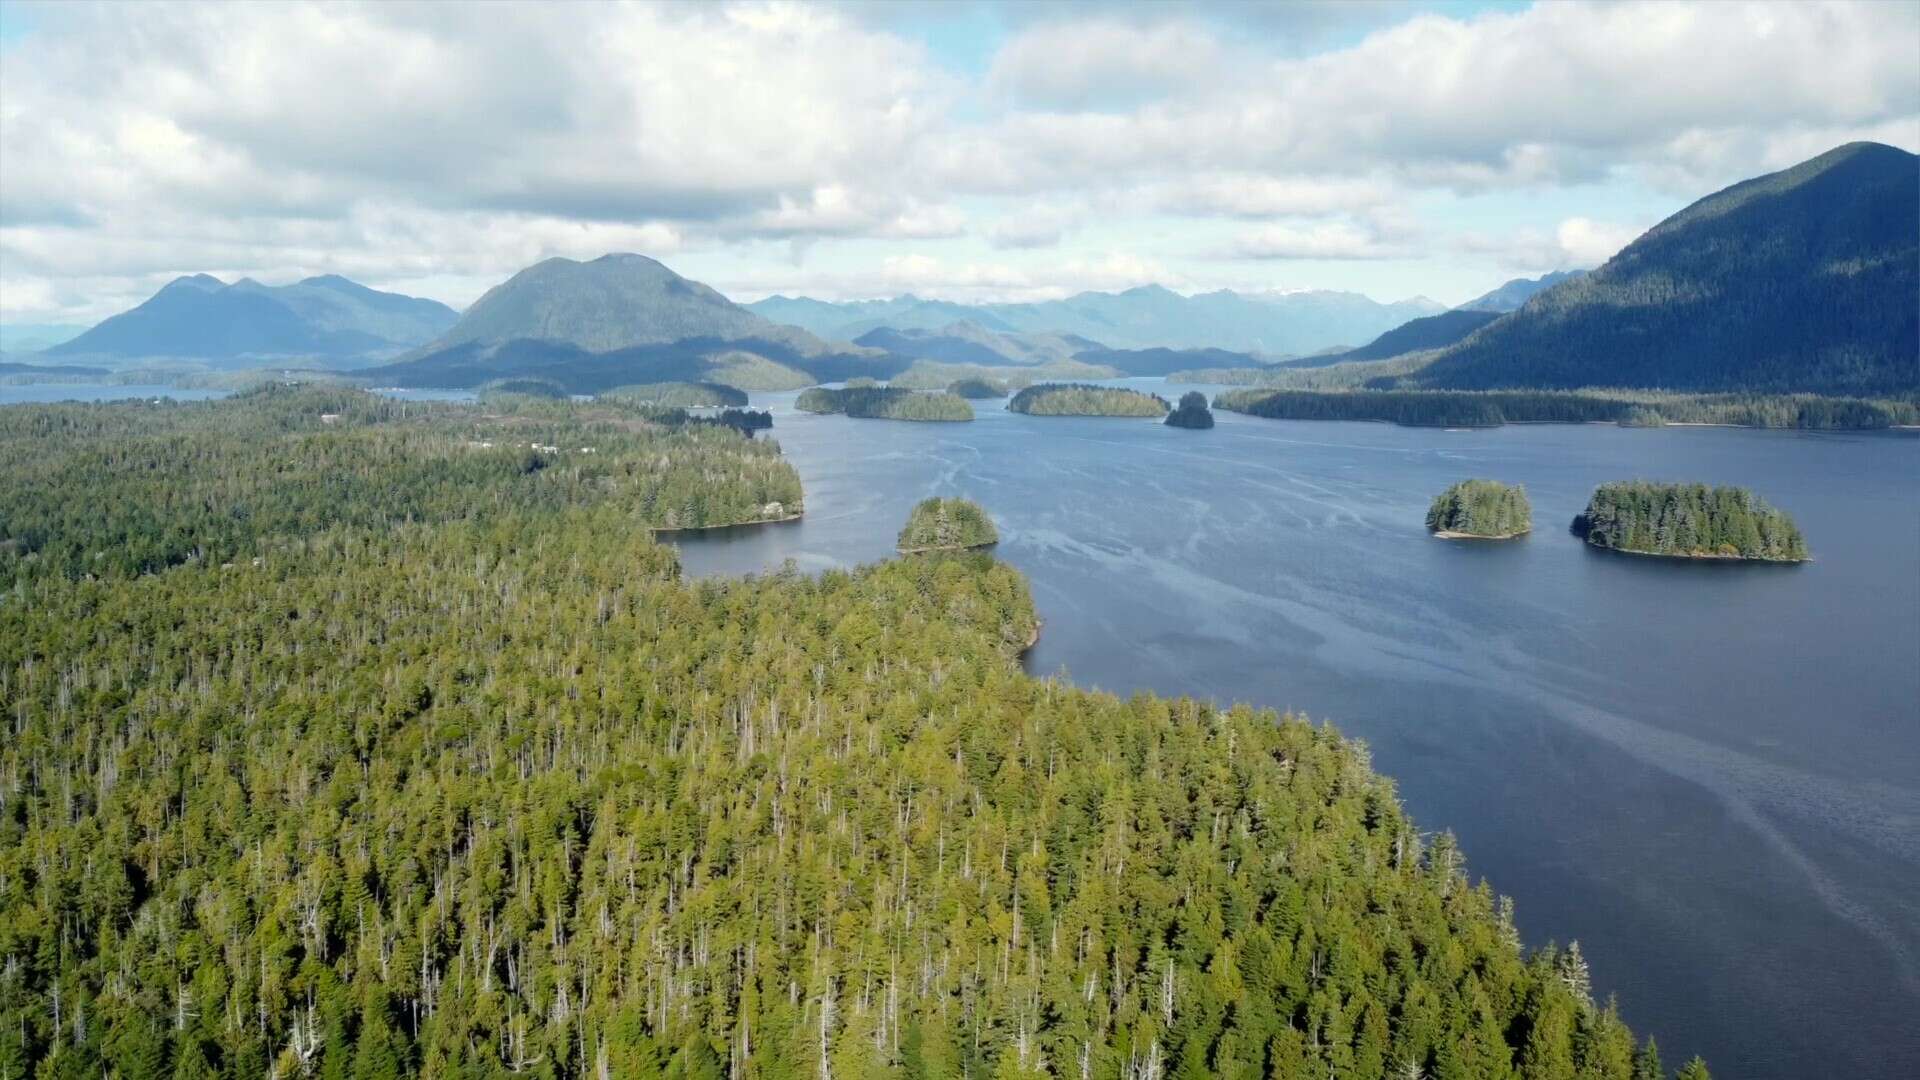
[1150, 316]
[321, 318]
[1802, 280]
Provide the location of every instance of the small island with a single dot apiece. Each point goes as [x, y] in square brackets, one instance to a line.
[680, 395]
[1081, 399]
[1689, 521]
[947, 525]
[1480, 510]
[884, 403]
[1192, 412]
[980, 389]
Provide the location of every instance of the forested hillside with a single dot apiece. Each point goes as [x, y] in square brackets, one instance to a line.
[118, 490]
[1079, 399]
[885, 403]
[490, 792]
[1801, 280]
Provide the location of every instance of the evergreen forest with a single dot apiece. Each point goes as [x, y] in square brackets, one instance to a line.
[947, 525]
[1482, 508]
[1192, 412]
[356, 738]
[1081, 399]
[885, 403]
[1690, 520]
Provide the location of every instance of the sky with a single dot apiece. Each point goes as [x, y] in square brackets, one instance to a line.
[961, 150]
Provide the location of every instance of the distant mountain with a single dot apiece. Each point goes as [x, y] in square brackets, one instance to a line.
[849, 320]
[1514, 293]
[1431, 332]
[202, 317]
[32, 337]
[1157, 362]
[746, 363]
[967, 342]
[1801, 280]
[613, 302]
[623, 319]
[1146, 317]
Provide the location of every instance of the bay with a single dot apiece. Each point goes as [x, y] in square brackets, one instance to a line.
[1708, 774]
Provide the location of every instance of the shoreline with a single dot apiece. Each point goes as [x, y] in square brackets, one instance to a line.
[726, 525]
[945, 547]
[1707, 557]
[1449, 534]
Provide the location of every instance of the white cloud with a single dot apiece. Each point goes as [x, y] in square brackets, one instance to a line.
[404, 143]
[1103, 63]
[1325, 240]
[1587, 242]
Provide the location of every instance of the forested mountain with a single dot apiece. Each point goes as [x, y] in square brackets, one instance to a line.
[613, 302]
[747, 364]
[1431, 332]
[1801, 280]
[1141, 318]
[968, 342]
[1514, 293]
[201, 317]
[436, 767]
[622, 319]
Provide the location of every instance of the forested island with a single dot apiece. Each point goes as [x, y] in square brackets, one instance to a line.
[1692, 521]
[352, 737]
[1480, 510]
[979, 389]
[947, 525]
[1491, 408]
[1192, 412]
[1081, 399]
[884, 403]
[683, 395]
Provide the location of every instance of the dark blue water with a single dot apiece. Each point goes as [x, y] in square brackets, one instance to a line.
[1708, 774]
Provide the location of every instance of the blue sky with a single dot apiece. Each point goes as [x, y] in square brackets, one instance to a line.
[966, 150]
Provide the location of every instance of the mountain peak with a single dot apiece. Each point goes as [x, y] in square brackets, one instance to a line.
[616, 301]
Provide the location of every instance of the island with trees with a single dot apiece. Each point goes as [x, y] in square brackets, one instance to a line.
[682, 395]
[1689, 521]
[979, 388]
[1480, 510]
[356, 737]
[884, 403]
[1192, 412]
[1082, 399]
[947, 525]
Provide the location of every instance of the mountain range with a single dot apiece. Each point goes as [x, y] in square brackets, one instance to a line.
[320, 318]
[1807, 279]
[620, 319]
[1150, 316]
[1514, 293]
